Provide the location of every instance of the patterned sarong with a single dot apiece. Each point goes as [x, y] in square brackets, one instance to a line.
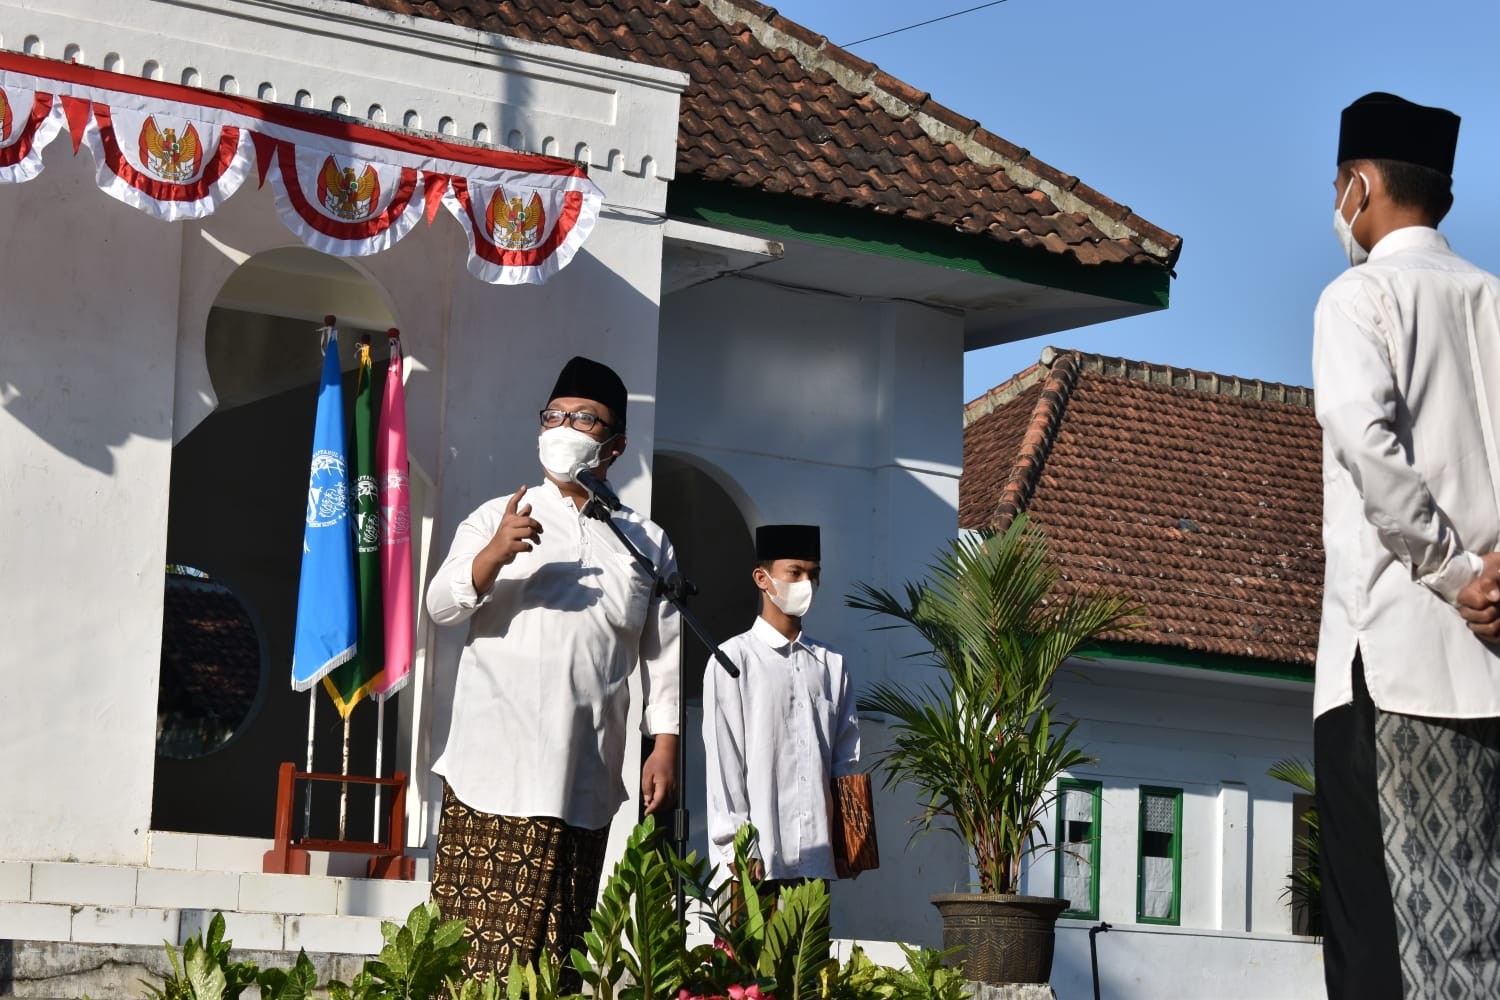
[522, 884]
[1439, 787]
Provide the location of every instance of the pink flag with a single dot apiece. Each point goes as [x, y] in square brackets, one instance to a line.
[392, 471]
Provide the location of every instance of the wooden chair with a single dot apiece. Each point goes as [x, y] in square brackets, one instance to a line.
[289, 855]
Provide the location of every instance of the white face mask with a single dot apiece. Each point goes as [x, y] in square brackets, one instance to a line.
[1344, 228]
[793, 598]
[564, 450]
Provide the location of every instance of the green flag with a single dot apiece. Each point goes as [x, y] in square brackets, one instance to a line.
[349, 683]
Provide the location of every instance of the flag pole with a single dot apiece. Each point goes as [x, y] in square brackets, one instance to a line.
[312, 692]
[312, 713]
[327, 610]
[379, 759]
[394, 545]
[344, 786]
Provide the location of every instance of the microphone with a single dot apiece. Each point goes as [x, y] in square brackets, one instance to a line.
[597, 488]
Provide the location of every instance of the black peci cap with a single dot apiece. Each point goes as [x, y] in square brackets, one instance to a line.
[787, 541]
[585, 378]
[1382, 126]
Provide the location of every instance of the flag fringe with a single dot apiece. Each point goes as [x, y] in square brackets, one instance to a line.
[337, 660]
[363, 691]
[394, 689]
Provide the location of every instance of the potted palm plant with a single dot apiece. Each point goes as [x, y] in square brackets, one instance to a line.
[978, 741]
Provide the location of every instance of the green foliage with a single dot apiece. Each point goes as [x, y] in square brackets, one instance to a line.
[204, 971]
[980, 743]
[1305, 882]
[296, 983]
[767, 949]
[533, 981]
[926, 977]
[418, 960]
[635, 947]
[796, 946]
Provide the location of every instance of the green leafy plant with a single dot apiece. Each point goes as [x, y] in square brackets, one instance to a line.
[634, 945]
[204, 971]
[526, 981]
[980, 744]
[296, 983]
[418, 960]
[926, 977]
[766, 948]
[1305, 881]
[797, 944]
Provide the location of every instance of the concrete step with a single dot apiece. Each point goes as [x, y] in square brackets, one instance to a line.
[51, 900]
[47, 970]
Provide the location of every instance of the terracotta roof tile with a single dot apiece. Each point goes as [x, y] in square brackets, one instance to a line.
[762, 76]
[1199, 494]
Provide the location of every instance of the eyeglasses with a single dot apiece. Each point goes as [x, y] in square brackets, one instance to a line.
[581, 420]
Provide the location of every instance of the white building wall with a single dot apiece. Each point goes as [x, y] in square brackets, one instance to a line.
[1213, 735]
[818, 408]
[101, 351]
[90, 293]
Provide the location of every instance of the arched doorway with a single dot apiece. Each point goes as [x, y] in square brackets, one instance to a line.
[236, 510]
[715, 549]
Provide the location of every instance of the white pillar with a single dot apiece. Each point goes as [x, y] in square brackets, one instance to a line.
[1234, 856]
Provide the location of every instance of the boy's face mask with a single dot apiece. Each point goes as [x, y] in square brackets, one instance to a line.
[792, 597]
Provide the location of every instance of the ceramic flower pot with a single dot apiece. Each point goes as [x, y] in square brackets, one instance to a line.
[1000, 938]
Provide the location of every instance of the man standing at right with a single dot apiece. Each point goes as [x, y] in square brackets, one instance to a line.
[1406, 364]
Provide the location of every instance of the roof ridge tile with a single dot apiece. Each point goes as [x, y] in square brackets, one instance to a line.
[900, 99]
[1036, 443]
[1190, 379]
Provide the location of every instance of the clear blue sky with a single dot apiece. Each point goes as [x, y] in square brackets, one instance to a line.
[1216, 121]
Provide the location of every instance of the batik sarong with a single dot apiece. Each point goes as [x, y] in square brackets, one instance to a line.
[1439, 788]
[522, 884]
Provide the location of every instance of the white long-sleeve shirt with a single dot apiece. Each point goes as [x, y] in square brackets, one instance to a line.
[542, 692]
[1406, 365]
[775, 737]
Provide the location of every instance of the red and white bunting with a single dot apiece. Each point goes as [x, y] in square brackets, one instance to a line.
[345, 205]
[29, 120]
[170, 166]
[343, 188]
[519, 229]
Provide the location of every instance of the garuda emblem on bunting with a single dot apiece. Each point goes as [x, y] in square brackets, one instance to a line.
[29, 120]
[168, 164]
[351, 198]
[513, 226]
[168, 154]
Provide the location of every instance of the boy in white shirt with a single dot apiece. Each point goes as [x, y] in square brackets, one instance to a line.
[779, 734]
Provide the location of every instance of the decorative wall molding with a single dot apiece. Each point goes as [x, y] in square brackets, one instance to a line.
[615, 117]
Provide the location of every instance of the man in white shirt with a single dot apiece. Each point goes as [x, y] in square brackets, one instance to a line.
[558, 615]
[1406, 363]
[778, 735]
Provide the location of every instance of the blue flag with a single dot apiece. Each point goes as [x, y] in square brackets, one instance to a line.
[327, 614]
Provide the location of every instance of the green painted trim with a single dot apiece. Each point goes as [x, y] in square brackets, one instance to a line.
[1096, 793]
[783, 216]
[1247, 666]
[1140, 855]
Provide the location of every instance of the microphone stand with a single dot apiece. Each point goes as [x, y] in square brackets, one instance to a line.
[676, 589]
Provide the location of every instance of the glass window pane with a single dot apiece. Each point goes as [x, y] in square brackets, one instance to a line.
[1160, 855]
[1077, 846]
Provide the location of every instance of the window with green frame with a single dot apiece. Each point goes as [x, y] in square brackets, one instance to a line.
[1077, 878]
[1158, 895]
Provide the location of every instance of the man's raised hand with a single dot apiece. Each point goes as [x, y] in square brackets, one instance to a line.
[518, 532]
